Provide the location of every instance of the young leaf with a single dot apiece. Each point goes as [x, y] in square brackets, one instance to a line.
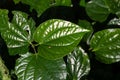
[18, 34]
[106, 45]
[78, 64]
[57, 38]
[34, 67]
[97, 10]
[41, 5]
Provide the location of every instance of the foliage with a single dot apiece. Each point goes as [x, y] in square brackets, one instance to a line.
[56, 49]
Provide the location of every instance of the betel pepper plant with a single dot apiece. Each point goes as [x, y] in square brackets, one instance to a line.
[54, 39]
[54, 50]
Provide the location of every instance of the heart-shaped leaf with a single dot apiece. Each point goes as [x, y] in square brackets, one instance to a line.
[106, 45]
[78, 64]
[97, 10]
[41, 5]
[18, 34]
[34, 67]
[57, 38]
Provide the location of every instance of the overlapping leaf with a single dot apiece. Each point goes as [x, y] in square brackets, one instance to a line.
[57, 38]
[100, 9]
[114, 6]
[18, 34]
[97, 10]
[78, 64]
[34, 67]
[41, 5]
[106, 45]
[86, 25]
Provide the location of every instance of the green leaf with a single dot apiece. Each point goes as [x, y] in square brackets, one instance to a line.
[18, 34]
[82, 3]
[41, 5]
[78, 64]
[106, 45]
[57, 38]
[114, 6]
[98, 10]
[3, 19]
[34, 67]
[85, 24]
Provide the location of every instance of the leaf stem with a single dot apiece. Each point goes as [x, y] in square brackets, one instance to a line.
[32, 45]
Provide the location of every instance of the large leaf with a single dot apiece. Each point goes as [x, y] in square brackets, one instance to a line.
[41, 5]
[57, 38]
[78, 64]
[34, 67]
[106, 45]
[18, 34]
[98, 10]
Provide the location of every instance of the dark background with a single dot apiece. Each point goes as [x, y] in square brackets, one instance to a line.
[99, 71]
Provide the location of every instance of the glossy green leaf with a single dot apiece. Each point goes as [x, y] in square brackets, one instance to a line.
[18, 34]
[41, 5]
[106, 45]
[78, 64]
[34, 67]
[98, 10]
[57, 38]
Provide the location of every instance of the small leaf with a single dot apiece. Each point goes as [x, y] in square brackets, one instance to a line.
[85, 24]
[82, 3]
[78, 64]
[57, 38]
[18, 34]
[3, 19]
[98, 10]
[34, 67]
[106, 45]
[41, 5]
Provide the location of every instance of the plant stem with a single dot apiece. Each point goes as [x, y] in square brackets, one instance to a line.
[4, 71]
[33, 48]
